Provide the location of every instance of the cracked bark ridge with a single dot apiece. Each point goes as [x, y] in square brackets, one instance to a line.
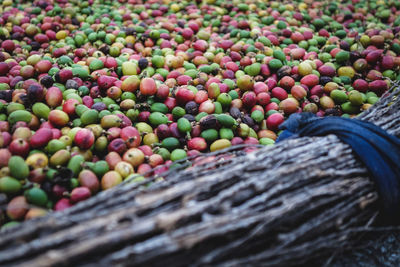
[289, 204]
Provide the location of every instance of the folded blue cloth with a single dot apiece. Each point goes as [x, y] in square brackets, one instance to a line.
[378, 150]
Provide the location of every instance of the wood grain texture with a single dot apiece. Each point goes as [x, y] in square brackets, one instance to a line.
[284, 205]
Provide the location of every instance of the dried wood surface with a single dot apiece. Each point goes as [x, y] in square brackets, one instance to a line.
[289, 204]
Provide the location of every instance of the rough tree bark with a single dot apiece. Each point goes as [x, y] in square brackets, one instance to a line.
[283, 205]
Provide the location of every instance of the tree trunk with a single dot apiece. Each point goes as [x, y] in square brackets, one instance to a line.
[284, 205]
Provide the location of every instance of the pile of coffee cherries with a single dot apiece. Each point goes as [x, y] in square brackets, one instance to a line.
[95, 92]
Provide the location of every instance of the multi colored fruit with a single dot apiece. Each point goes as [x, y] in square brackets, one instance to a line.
[95, 92]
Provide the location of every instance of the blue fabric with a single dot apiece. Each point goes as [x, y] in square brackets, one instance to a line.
[378, 150]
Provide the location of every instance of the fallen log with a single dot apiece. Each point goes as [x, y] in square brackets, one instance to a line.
[284, 205]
